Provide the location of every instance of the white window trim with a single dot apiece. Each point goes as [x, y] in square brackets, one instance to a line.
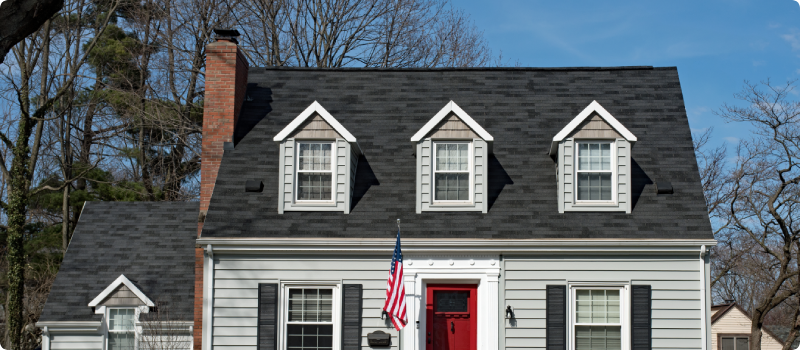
[296, 175]
[107, 327]
[336, 311]
[624, 310]
[470, 170]
[613, 171]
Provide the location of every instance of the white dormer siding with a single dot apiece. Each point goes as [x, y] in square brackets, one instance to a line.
[464, 148]
[606, 145]
[333, 154]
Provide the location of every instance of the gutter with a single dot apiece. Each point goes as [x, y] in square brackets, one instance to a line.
[423, 245]
[71, 326]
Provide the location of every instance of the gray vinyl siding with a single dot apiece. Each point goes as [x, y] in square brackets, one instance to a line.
[75, 341]
[342, 188]
[675, 282]
[566, 179]
[236, 281]
[425, 195]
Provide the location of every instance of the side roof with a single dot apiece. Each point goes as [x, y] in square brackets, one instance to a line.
[523, 109]
[151, 243]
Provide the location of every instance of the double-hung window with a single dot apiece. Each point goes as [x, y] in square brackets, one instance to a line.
[597, 319]
[595, 174]
[734, 342]
[314, 171]
[121, 329]
[310, 318]
[452, 172]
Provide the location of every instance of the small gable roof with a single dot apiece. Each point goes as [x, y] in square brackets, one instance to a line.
[452, 107]
[591, 109]
[314, 108]
[121, 280]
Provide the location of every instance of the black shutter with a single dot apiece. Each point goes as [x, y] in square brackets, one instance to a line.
[641, 320]
[267, 316]
[351, 316]
[556, 318]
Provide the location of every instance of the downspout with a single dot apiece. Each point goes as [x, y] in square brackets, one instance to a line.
[208, 300]
[703, 319]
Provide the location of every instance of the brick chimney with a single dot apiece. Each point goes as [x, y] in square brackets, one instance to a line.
[226, 84]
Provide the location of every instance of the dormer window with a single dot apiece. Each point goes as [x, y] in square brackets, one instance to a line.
[452, 153]
[452, 172]
[314, 174]
[595, 173]
[318, 161]
[593, 153]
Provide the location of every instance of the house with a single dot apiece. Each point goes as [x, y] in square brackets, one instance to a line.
[730, 329]
[540, 208]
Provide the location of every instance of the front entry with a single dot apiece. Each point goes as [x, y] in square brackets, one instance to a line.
[452, 317]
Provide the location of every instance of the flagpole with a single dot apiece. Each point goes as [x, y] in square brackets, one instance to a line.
[400, 332]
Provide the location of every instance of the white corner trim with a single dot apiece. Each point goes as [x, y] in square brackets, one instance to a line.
[454, 108]
[111, 287]
[314, 107]
[603, 113]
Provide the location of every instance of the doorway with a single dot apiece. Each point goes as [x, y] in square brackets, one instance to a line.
[452, 317]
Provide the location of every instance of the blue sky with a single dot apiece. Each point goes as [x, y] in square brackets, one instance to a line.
[716, 45]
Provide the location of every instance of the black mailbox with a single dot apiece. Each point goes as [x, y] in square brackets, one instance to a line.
[379, 338]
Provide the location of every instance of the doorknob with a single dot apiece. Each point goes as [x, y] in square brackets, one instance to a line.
[452, 327]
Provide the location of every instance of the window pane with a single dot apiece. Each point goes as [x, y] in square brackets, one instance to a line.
[452, 187]
[597, 306]
[742, 344]
[120, 341]
[598, 338]
[314, 186]
[727, 344]
[310, 305]
[303, 337]
[452, 156]
[594, 186]
[120, 319]
[314, 156]
[594, 156]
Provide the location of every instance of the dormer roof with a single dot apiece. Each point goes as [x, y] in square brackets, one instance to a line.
[593, 108]
[452, 108]
[314, 109]
[120, 281]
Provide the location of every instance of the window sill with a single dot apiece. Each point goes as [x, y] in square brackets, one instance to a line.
[314, 204]
[452, 205]
[597, 204]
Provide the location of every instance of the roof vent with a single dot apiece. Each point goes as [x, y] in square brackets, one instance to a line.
[729, 301]
[664, 187]
[253, 186]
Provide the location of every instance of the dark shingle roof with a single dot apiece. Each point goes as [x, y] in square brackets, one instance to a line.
[150, 243]
[522, 108]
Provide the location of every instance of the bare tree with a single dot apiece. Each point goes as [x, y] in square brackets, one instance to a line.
[161, 329]
[765, 199]
[20, 18]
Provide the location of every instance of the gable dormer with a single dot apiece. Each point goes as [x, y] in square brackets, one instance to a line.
[452, 153]
[593, 155]
[318, 161]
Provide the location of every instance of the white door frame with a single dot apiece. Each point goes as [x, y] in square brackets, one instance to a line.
[481, 270]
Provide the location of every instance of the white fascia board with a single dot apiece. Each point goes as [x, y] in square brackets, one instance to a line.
[314, 107]
[591, 108]
[111, 287]
[71, 326]
[452, 107]
[421, 245]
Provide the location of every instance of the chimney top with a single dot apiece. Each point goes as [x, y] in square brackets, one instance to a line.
[226, 35]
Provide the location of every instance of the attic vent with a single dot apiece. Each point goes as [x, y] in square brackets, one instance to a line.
[664, 187]
[253, 186]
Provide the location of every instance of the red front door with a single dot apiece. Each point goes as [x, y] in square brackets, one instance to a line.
[452, 317]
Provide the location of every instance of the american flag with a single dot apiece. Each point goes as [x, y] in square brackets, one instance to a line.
[395, 291]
